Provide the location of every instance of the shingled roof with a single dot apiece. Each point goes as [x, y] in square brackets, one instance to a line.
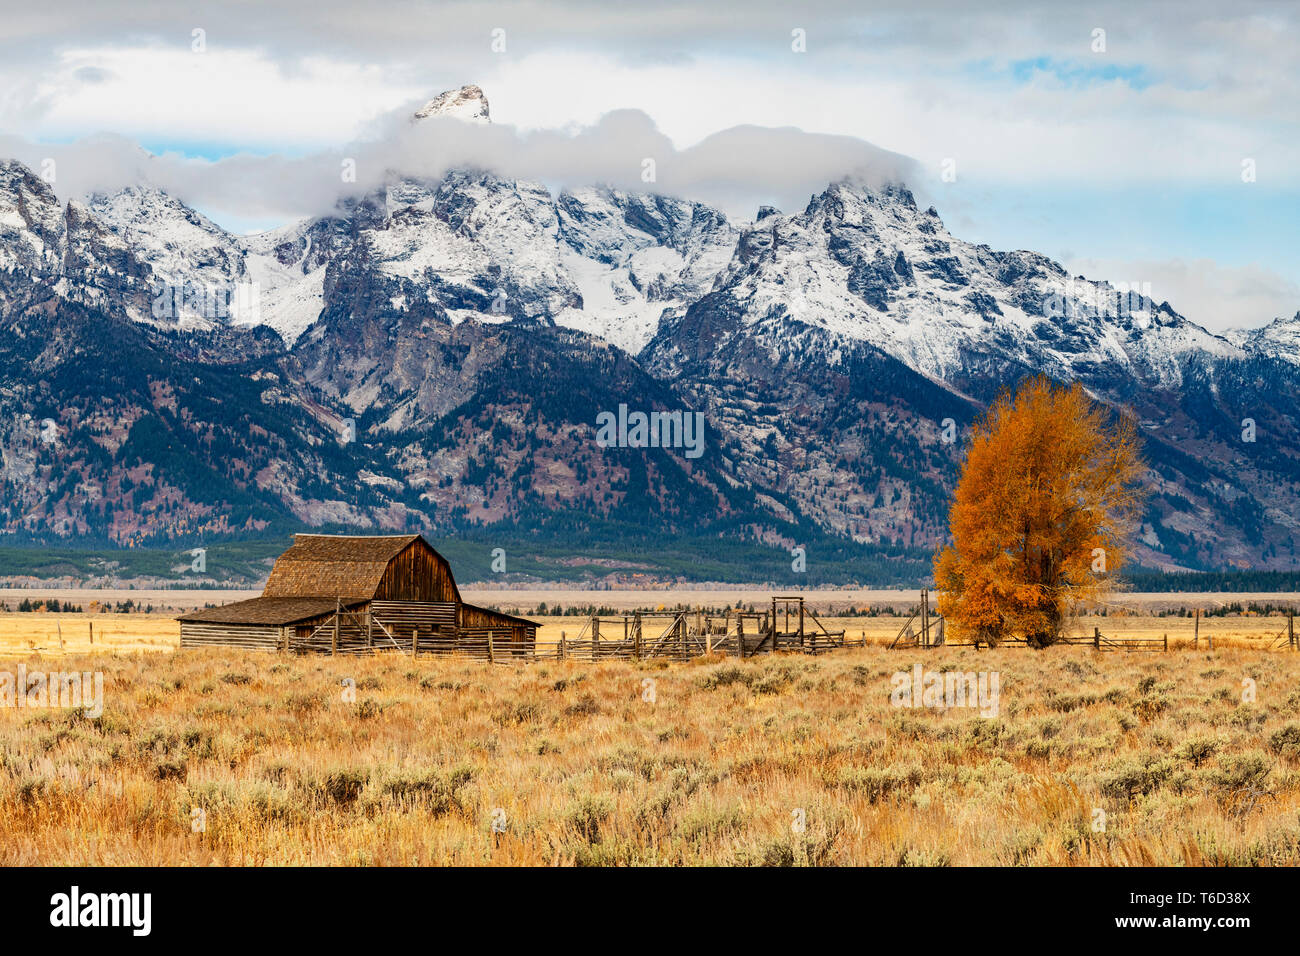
[321, 565]
[268, 611]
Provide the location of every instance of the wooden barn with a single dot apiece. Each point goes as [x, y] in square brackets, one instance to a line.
[342, 594]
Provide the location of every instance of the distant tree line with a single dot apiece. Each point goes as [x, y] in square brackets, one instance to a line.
[54, 606]
[1233, 581]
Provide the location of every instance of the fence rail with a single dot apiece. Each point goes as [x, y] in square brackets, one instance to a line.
[787, 625]
[1285, 639]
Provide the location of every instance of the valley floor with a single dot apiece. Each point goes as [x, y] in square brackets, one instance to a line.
[206, 757]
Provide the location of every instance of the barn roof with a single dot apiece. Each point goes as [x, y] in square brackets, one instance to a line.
[501, 614]
[325, 565]
[269, 611]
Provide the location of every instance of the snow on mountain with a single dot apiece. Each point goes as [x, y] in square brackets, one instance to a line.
[867, 265]
[31, 222]
[50, 249]
[205, 277]
[287, 269]
[823, 346]
[634, 255]
[1279, 339]
[641, 271]
[467, 103]
[471, 245]
[197, 266]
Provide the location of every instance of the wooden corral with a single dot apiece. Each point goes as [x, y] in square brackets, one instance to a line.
[929, 628]
[356, 595]
[789, 625]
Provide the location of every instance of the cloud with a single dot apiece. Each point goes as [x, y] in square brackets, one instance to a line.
[92, 75]
[735, 169]
[1016, 97]
[1215, 296]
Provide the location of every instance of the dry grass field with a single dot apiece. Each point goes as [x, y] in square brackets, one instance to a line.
[579, 768]
[57, 635]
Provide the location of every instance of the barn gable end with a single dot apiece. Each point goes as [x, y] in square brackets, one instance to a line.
[418, 573]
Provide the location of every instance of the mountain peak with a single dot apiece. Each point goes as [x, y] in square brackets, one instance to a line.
[467, 103]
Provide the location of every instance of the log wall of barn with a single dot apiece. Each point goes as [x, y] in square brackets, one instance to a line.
[403, 617]
[250, 637]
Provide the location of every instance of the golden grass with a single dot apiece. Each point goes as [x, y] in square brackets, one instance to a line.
[65, 634]
[413, 770]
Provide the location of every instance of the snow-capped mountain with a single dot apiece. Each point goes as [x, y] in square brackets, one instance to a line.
[862, 265]
[1279, 339]
[47, 248]
[635, 255]
[468, 330]
[204, 277]
[467, 103]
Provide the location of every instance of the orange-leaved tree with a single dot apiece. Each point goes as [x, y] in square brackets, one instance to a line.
[1041, 514]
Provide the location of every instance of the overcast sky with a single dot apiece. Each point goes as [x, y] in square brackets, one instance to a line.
[1111, 136]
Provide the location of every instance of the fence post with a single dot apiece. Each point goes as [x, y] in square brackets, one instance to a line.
[415, 641]
[492, 659]
[636, 634]
[334, 641]
[1166, 641]
[562, 645]
[925, 617]
[1096, 638]
[1196, 632]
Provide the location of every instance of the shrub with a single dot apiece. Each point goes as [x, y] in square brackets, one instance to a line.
[1286, 741]
[728, 675]
[170, 770]
[1241, 770]
[587, 815]
[586, 706]
[875, 783]
[1129, 777]
[435, 792]
[341, 787]
[1197, 750]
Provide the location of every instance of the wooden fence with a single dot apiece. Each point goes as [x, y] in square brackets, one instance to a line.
[926, 630]
[788, 625]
